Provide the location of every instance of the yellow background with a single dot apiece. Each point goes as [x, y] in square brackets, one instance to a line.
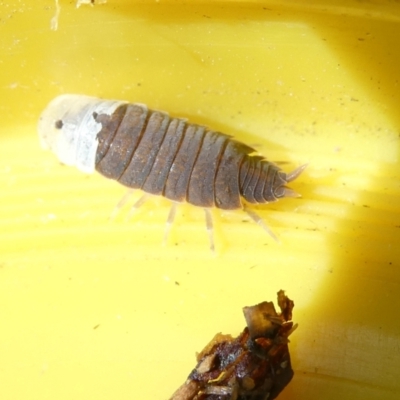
[93, 309]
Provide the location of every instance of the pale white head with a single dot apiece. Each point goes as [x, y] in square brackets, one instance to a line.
[68, 127]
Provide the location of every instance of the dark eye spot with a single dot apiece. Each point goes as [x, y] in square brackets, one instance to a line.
[95, 115]
[59, 124]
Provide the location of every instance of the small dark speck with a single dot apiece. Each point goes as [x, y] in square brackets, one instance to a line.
[59, 124]
[177, 283]
[96, 326]
[366, 205]
[206, 16]
[354, 99]
[95, 115]
[360, 39]
[139, 84]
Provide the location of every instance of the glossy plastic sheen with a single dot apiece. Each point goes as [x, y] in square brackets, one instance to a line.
[98, 310]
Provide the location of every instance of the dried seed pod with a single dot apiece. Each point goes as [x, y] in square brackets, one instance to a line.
[148, 150]
[254, 366]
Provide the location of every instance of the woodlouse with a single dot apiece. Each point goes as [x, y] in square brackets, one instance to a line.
[148, 150]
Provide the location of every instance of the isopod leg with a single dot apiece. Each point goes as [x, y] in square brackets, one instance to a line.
[210, 228]
[259, 221]
[121, 203]
[170, 220]
[138, 204]
[287, 192]
[291, 176]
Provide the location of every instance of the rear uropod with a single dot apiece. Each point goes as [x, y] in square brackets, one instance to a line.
[148, 150]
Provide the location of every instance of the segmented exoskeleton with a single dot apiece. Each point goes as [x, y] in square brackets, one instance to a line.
[148, 150]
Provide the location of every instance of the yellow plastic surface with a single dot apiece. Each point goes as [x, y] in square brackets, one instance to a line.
[93, 309]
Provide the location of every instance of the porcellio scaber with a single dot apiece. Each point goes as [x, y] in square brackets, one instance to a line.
[148, 150]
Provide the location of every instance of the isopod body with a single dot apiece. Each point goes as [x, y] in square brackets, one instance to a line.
[149, 150]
